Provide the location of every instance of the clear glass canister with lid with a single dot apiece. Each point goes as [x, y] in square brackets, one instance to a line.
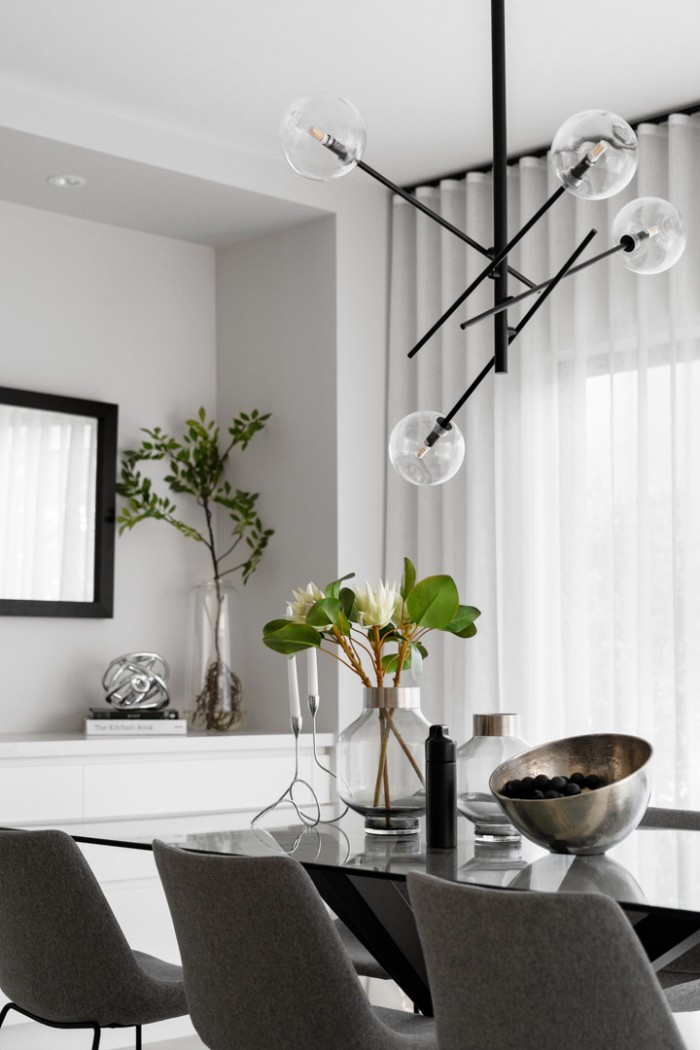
[495, 739]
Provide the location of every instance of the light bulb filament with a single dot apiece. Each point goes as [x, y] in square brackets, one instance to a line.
[334, 145]
[597, 152]
[574, 176]
[421, 451]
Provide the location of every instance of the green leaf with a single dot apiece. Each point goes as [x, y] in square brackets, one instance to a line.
[408, 580]
[462, 624]
[323, 612]
[433, 602]
[288, 637]
[332, 590]
[347, 601]
[416, 663]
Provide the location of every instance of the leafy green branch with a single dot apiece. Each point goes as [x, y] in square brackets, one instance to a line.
[195, 467]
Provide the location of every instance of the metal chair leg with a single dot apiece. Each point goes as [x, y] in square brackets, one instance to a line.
[138, 1037]
[5, 1010]
[96, 1037]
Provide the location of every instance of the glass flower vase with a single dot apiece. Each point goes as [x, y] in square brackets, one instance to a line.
[381, 761]
[494, 741]
[214, 698]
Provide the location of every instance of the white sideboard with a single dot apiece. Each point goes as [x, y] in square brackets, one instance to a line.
[143, 787]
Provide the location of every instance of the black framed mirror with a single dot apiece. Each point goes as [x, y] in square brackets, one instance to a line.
[57, 505]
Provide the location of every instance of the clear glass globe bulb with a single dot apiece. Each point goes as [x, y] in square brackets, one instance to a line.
[438, 462]
[322, 137]
[655, 230]
[595, 154]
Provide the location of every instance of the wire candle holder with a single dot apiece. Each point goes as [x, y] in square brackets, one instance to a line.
[287, 796]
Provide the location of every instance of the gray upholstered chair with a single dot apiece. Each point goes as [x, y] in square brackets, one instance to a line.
[517, 970]
[64, 960]
[364, 963]
[680, 980]
[681, 819]
[264, 965]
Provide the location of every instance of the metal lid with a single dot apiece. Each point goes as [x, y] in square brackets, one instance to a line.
[498, 723]
[392, 696]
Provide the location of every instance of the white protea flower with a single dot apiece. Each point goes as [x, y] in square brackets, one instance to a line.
[302, 600]
[375, 608]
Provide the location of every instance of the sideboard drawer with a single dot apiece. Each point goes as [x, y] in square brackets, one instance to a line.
[40, 793]
[206, 784]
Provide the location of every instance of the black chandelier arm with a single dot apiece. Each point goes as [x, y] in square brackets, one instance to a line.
[488, 272]
[414, 202]
[624, 245]
[552, 284]
[514, 333]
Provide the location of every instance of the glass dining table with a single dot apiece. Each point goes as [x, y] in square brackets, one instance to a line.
[654, 875]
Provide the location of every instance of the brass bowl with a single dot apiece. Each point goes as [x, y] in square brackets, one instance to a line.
[593, 821]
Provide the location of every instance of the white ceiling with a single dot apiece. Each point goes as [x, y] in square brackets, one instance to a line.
[418, 70]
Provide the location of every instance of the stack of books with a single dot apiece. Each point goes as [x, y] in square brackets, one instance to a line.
[113, 721]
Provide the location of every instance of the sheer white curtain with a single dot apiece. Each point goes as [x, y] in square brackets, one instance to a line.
[574, 524]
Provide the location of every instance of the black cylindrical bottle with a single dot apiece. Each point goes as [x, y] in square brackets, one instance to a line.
[440, 789]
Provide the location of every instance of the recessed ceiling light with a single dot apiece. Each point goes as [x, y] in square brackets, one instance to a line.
[65, 181]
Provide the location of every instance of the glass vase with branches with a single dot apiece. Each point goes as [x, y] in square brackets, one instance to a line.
[195, 467]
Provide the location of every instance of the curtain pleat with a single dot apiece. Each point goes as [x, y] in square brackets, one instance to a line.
[574, 524]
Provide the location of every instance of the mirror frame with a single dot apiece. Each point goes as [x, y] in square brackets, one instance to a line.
[107, 416]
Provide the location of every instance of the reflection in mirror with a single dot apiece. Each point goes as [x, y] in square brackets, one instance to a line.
[57, 473]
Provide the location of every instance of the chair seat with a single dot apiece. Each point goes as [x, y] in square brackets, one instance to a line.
[420, 1030]
[363, 961]
[165, 995]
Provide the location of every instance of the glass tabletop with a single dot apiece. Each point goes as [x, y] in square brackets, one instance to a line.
[654, 868]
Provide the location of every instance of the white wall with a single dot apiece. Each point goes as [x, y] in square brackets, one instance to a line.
[302, 333]
[276, 308]
[108, 314]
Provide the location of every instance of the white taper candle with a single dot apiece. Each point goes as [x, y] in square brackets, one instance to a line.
[312, 672]
[294, 705]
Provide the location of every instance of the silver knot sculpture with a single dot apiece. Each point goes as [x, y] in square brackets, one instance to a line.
[137, 681]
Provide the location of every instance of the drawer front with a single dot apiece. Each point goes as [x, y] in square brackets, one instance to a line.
[41, 793]
[198, 785]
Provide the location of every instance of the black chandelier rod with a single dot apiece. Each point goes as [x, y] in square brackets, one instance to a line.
[503, 302]
[626, 244]
[515, 332]
[415, 203]
[500, 177]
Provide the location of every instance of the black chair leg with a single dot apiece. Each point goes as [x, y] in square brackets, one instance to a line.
[138, 1037]
[96, 1037]
[5, 1010]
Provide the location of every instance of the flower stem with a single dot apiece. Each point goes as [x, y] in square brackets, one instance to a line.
[390, 720]
[355, 662]
[384, 739]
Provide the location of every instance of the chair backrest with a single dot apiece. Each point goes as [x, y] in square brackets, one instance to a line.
[519, 970]
[681, 819]
[62, 952]
[263, 965]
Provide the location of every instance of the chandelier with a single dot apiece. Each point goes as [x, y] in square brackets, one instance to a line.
[594, 155]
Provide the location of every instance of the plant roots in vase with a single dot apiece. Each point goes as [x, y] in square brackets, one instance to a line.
[219, 706]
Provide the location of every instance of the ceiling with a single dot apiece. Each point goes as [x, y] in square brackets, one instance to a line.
[225, 71]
